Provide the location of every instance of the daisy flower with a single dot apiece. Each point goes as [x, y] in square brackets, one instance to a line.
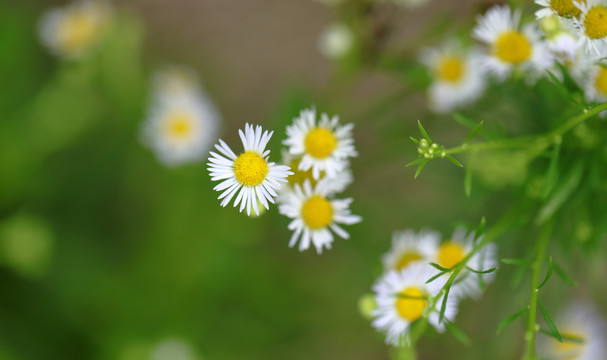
[562, 8]
[250, 172]
[335, 41]
[585, 334]
[410, 248]
[315, 216]
[180, 127]
[458, 76]
[595, 85]
[76, 29]
[323, 147]
[592, 24]
[453, 251]
[510, 46]
[403, 297]
[332, 186]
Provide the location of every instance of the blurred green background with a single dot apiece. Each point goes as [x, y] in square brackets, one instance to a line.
[107, 254]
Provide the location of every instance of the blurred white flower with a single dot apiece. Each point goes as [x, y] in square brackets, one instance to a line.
[409, 248]
[335, 41]
[74, 30]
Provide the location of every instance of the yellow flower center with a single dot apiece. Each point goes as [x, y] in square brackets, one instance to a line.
[601, 81]
[595, 22]
[407, 259]
[568, 348]
[513, 47]
[300, 176]
[77, 31]
[250, 168]
[317, 212]
[450, 69]
[179, 125]
[320, 142]
[412, 304]
[450, 254]
[565, 8]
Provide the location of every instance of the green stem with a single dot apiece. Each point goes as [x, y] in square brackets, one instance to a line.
[542, 245]
[541, 141]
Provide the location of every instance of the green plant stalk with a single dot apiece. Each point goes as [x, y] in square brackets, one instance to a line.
[541, 141]
[542, 245]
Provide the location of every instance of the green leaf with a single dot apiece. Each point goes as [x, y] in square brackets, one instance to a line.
[423, 131]
[510, 319]
[563, 275]
[489, 271]
[552, 174]
[473, 132]
[414, 140]
[468, 181]
[416, 161]
[480, 229]
[437, 266]
[548, 274]
[553, 330]
[458, 333]
[561, 88]
[561, 194]
[516, 262]
[443, 306]
[435, 277]
[420, 167]
[454, 161]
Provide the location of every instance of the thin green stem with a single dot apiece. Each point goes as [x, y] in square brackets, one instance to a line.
[540, 141]
[542, 245]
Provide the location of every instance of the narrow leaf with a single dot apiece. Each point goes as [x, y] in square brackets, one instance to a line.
[437, 266]
[419, 168]
[480, 229]
[489, 271]
[416, 161]
[454, 161]
[517, 262]
[458, 333]
[443, 306]
[510, 319]
[553, 330]
[552, 174]
[414, 140]
[563, 275]
[561, 194]
[548, 274]
[435, 277]
[468, 181]
[473, 132]
[423, 131]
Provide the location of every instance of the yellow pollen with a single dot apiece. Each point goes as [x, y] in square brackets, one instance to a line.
[250, 168]
[450, 69]
[450, 254]
[565, 8]
[407, 259]
[317, 212]
[300, 176]
[601, 81]
[179, 125]
[595, 22]
[320, 142]
[413, 305]
[77, 31]
[513, 47]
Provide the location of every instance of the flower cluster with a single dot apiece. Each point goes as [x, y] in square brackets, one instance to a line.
[569, 34]
[412, 288]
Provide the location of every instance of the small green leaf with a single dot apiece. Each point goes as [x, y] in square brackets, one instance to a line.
[563, 275]
[416, 161]
[553, 330]
[468, 181]
[443, 306]
[420, 167]
[458, 333]
[435, 277]
[414, 140]
[562, 89]
[437, 266]
[548, 274]
[552, 174]
[516, 262]
[480, 229]
[454, 161]
[489, 271]
[510, 319]
[473, 132]
[423, 131]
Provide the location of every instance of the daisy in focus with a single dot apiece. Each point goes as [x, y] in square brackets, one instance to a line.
[453, 251]
[458, 76]
[75, 30]
[592, 24]
[410, 248]
[316, 217]
[181, 125]
[249, 174]
[562, 8]
[511, 47]
[584, 332]
[403, 297]
[322, 147]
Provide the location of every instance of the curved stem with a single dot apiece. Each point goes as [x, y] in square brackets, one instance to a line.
[542, 245]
